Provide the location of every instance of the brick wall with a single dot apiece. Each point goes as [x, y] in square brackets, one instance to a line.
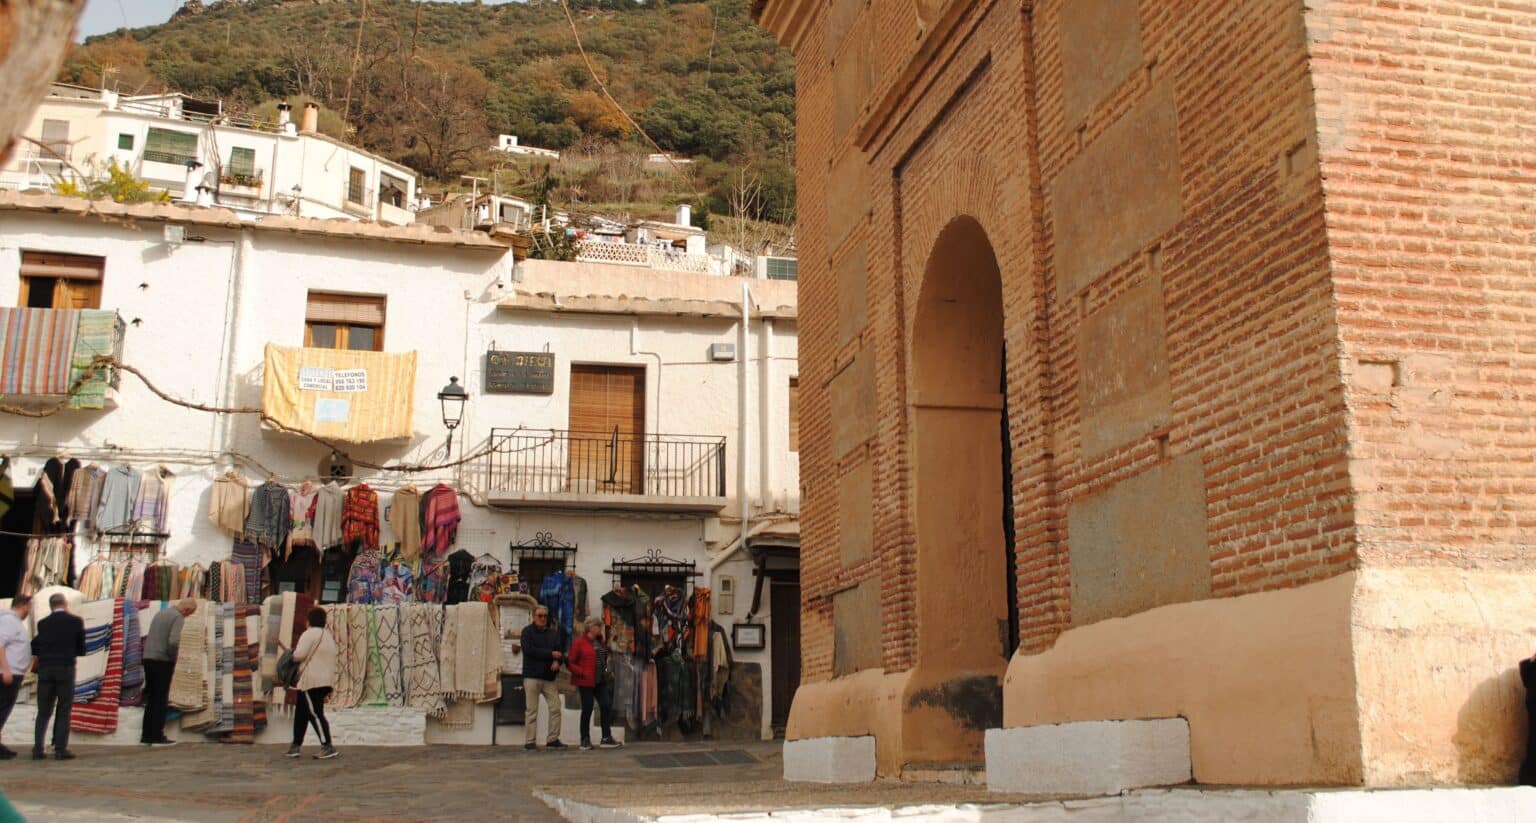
[1426, 118]
[1248, 371]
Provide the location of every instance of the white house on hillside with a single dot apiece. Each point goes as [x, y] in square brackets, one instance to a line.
[193, 149]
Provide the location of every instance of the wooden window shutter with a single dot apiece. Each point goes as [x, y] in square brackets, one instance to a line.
[345, 309]
[54, 264]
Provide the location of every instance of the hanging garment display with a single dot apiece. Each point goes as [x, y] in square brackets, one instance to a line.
[365, 581]
[579, 598]
[151, 507]
[330, 500]
[432, 582]
[698, 623]
[439, 519]
[461, 566]
[398, 584]
[557, 595]
[301, 510]
[360, 517]
[269, 520]
[47, 562]
[7, 486]
[229, 503]
[250, 557]
[405, 520]
[119, 492]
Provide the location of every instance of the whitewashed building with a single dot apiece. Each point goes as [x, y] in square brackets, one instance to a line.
[181, 144]
[658, 422]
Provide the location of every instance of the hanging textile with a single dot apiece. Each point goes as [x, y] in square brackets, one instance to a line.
[698, 622]
[229, 503]
[97, 714]
[101, 332]
[365, 581]
[621, 617]
[350, 625]
[461, 567]
[46, 517]
[397, 584]
[669, 618]
[301, 508]
[557, 594]
[98, 616]
[85, 495]
[269, 520]
[370, 414]
[134, 625]
[119, 492]
[405, 520]
[47, 563]
[579, 594]
[423, 682]
[439, 519]
[36, 350]
[7, 486]
[242, 676]
[389, 655]
[249, 556]
[360, 517]
[432, 583]
[329, 502]
[151, 508]
[189, 680]
[373, 681]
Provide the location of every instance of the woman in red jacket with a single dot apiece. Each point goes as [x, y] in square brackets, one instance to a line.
[588, 662]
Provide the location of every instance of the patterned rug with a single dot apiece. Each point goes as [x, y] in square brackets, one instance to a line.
[373, 681]
[424, 688]
[99, 716]
[133, 651]
[390, 661]
[191, 686]
[223, 669]
[99, 616]
[242, 675]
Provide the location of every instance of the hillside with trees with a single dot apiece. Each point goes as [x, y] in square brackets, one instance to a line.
[430, 85]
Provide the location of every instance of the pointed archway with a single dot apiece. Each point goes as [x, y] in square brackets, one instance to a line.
[966, 614]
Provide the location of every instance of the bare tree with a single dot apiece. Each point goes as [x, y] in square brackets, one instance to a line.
[34, 35]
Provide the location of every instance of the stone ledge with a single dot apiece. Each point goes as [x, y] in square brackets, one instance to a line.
[830, 760]
[1089, 758]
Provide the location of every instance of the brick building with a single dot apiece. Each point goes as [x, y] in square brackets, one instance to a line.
[1169, 358]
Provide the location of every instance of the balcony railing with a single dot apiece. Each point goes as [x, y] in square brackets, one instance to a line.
[635, 254]
[546, 464]
[254, 180]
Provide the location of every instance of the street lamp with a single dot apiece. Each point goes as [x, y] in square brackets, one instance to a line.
[453, 398]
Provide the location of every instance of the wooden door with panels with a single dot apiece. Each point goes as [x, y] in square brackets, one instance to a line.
[607, 429]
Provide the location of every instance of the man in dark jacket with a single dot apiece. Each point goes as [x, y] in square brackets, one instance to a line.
[60, 640]
[543, 648]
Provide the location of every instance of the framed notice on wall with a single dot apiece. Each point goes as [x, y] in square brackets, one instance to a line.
[519, 372]
[747, 636]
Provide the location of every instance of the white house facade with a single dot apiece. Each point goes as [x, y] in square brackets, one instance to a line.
[615, 414]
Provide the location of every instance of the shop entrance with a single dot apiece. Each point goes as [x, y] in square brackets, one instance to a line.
[960, 488]
[784, 605]
[14, 527]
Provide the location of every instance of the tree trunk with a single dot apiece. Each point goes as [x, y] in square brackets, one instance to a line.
[34, 36]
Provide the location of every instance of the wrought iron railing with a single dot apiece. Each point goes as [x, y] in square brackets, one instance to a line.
[557, 461]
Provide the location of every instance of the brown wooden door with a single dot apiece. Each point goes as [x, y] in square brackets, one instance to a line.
[607, 444]
[784, 601]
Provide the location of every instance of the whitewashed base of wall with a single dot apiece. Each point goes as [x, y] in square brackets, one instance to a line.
[349, 727]
[1090, 758]
[1184, 805]
[830, 760]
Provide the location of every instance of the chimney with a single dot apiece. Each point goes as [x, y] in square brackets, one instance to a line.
[311, 118]
[684, 215]
[284, 115]
[189, 189]
[205, 190]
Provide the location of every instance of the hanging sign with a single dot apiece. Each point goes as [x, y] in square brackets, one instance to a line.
[315, 378]
[519, 372]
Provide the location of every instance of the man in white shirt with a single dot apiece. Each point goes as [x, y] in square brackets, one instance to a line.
[15, 659]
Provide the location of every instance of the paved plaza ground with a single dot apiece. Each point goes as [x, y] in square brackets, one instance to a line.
[247, 784]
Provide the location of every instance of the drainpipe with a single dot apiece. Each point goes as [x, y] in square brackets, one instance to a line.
[634, 351]
[227, 369]
[765, 394]
[743, 459]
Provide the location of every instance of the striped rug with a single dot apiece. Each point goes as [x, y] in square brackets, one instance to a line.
[99, 716]
[36, 349]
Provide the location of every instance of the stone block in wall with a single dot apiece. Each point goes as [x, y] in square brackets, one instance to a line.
[1122, 356]
[1100, 47]
[856, 513]
[1089, 758]
[852, 292]
[856, 629]
[1141, 543]
[1119, 194]
[847, 196]
[853, 76]
[853, 405]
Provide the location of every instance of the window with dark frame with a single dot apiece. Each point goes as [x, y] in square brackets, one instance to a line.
[357, 186]
[344, 321]
[242, 166]
[125, 142]
[54, 280]
[55, 139]
[783, 268]
[169, 146]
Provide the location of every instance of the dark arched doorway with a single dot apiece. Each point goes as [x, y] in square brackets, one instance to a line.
[966, 615]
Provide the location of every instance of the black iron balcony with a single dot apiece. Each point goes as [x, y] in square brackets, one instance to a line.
[573, 469]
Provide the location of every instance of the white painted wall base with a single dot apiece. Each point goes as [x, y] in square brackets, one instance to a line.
[1500, 805]
[1090, 758]
[830, 760]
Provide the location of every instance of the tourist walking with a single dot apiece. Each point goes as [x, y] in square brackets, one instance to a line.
[316, 655]
[160, 648]
[589, 674]
[15, 659]
[543, 648]
[59, 642]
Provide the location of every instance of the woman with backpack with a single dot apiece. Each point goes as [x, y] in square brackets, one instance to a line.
[588, 662]
[315, 654]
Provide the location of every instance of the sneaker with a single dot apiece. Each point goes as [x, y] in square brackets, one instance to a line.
[7, 754]
[587, 746]
[531, 746]
[293, 751]
[555, 744]
[164, 741]
[609, 743]
[63, 754]
[327, 753]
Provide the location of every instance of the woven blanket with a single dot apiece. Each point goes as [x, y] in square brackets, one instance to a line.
[223, 669]
[249, 555]
[390, 658]
[373, 682]
[242, 677]
[458, 714]
[424, 688]
[133, 654]
[350, 625]
[474, 643]
[187, 679]
[92, 668]
[36, 347]
[99, 716]
[100, 333]
[273, 610]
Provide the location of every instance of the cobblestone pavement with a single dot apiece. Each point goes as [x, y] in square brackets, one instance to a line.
[255, 784]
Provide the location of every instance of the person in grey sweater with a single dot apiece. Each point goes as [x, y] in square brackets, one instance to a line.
[160, 648]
